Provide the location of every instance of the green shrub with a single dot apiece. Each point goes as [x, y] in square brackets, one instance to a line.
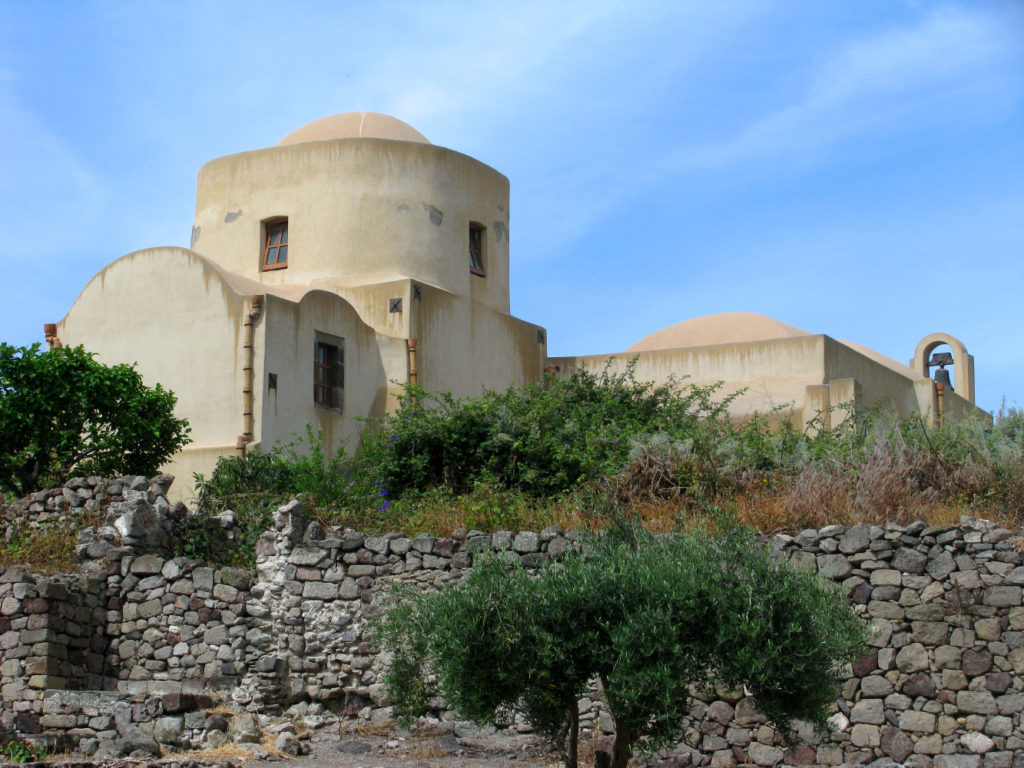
[651, 618]
[205, 538]
[62, 411]
[542, 439]
[21, 751]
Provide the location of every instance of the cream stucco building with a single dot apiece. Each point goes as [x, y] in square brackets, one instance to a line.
[796, 375]
[353, 257]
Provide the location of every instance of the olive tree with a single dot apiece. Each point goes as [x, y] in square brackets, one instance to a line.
[650, 618]
[62, 411]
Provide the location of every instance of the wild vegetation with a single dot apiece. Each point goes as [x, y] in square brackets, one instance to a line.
[652, 619]
[581, 451]
[49, 547]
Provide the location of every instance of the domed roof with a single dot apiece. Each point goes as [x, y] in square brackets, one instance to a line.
[355, 125]
[724, 328]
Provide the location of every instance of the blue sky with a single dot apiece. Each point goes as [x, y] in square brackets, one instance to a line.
[852, 168]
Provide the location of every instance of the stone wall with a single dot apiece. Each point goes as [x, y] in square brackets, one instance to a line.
[51, 636]
[943, 686]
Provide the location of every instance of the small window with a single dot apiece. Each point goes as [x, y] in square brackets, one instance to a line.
[329, 374]
[476, 249]
[275, 245]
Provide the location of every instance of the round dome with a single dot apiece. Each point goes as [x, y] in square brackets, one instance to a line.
[725, 328]
[355, 125]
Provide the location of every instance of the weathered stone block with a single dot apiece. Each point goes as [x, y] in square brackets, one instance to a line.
[862, 735]
[930, 633]
[956, 761]
[320, 590]
[909, 560]
[169, 730]
[225, 592]
[834, 566]
[885, 577]
[875, 686]
[912, 658]
[896, 744]
[940, 566]
[854, 540]
[981, 702]
[308, 556]
[423, 544]
[149, 609]
[919, 684]
[918, 722]
[216, 635]
[976, 662]
[1002, 597]
[868, 711]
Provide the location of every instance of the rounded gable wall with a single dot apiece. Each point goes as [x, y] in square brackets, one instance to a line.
[360, 211]
[174, 314]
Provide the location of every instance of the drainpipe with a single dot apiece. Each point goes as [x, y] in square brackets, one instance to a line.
[248, 354]
[550, 372]
[940, 389]
[410, 345]
[50, 332]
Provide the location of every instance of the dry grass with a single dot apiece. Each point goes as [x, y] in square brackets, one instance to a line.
[668, 490]
[364, 729]
[48, 548]
[426, 750]
[883, 490]
[267, 745]
[229, 751]
[794, 509]
[221, 709]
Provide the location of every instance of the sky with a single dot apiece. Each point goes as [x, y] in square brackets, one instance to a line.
[851, 168]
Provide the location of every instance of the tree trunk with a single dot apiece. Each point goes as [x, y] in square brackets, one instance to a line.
[622, 749]
[572, 748]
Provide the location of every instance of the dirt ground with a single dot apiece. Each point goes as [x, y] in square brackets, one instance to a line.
[354, 748]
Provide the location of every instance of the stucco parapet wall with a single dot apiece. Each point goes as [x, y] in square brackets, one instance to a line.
[744, 360]
[777, 372]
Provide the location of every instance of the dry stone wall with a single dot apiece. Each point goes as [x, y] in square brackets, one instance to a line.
[125, 657]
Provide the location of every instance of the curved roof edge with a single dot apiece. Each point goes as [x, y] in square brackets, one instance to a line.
[237, 284]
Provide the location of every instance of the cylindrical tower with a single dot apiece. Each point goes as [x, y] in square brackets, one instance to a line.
[357, 198]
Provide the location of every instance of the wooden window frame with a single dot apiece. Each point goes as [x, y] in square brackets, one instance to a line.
[269, 228]
[329, 373]
[476, 254]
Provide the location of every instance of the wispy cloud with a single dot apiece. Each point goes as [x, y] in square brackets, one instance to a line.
[888, 80]
[44, 181]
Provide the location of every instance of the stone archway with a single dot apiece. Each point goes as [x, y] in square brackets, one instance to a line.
[963, 363]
